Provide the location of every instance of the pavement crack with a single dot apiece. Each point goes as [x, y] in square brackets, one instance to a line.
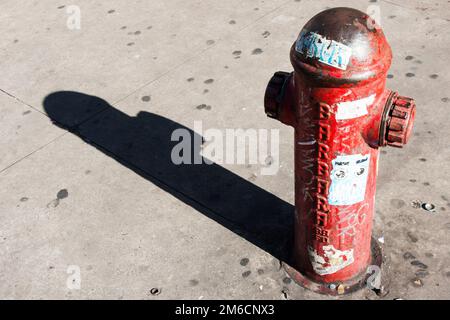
[31, 153]
[21, 101]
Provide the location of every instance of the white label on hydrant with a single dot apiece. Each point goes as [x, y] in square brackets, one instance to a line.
[348, 179]
[353, 109]
[330, 52]
[332, 260]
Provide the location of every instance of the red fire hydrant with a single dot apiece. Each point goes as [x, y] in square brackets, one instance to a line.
[342, 114]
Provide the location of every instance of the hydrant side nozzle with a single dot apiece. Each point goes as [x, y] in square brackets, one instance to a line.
[397, 121]
[275, 93]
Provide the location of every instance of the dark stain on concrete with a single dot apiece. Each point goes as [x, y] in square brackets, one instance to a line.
[208, 81]
[257, 51]
[24, 199]
[26, 112]
[146, 98]
[412, 237]
[203, 107]
[210, 42]
[434, 76]
[246, 274]
[244, 262]
[422, 273]
[62, 194]
[410, 75]
[232, 22]
[408, 256]
[419, 264]
[397, 203]
[193, 282]
[287, 280]
[111, 11]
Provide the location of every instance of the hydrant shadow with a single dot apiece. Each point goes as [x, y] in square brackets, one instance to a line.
[143, 144]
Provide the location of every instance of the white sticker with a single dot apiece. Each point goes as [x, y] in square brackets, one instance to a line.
[348, 179]
[332, 261]
[330, 52]
[353, 109]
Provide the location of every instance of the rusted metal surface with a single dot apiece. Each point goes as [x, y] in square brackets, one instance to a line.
[342, 113]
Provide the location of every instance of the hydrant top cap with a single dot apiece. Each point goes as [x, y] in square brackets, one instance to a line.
[342, 45]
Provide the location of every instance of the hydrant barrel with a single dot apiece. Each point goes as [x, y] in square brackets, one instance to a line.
[342, 114]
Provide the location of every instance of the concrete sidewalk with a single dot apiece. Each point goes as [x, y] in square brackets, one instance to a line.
[103, 197]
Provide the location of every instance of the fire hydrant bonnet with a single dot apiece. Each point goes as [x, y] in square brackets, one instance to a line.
[341, 45]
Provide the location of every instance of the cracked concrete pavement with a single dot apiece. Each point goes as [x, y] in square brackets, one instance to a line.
[97, 192]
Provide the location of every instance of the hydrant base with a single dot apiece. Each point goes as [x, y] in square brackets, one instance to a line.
[337, 288]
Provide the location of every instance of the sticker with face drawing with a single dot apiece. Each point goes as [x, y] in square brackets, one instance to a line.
[348, 179]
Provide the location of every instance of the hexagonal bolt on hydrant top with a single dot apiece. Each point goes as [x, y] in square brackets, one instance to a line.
[342, 114]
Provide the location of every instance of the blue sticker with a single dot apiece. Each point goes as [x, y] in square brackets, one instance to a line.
[349, 179]
[330, 52]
